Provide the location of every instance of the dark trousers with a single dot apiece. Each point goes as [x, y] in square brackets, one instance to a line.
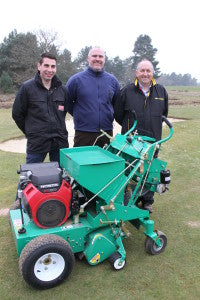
[54, 155]
[147, 198]
[83, 138]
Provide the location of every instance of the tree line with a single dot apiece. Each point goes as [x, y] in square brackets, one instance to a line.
[19, 53]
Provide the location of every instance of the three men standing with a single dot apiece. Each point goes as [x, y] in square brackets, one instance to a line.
[93, 98]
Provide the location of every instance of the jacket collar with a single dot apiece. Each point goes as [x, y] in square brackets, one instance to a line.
[55, 82]
[153, 82]
[93, 73]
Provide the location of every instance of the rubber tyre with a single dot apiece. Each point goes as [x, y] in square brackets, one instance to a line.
[46, 261]
[114, 260]
[151, 246]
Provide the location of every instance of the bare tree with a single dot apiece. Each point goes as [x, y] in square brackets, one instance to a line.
[48, 41]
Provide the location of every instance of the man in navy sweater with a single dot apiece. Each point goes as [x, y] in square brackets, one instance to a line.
[92, 94]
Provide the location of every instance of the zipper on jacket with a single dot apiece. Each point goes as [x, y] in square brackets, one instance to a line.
[48, 102]
[145, 102]
[99, 104]
[146, 98]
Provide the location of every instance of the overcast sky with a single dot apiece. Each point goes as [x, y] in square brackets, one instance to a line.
[115, 25]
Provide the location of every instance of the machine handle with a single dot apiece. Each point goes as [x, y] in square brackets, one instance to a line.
[134, 114]
[135, 123]
[166, 121]
[170, 133]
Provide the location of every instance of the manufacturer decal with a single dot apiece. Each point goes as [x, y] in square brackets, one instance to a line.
[61, 107]
[96, 237]
[17, 224]
[95, 259]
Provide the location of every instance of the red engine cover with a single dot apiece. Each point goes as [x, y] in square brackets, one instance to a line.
[48, 209]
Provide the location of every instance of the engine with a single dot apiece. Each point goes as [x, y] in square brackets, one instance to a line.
[46, 193]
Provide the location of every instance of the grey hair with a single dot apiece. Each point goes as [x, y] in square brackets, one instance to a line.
[96, 47]
[143, 60]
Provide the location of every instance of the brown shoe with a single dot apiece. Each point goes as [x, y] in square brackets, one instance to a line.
[148, 207]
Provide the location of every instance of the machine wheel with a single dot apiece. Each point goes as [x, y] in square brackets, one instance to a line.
[46, 261]
[115, 261]
[151, 246]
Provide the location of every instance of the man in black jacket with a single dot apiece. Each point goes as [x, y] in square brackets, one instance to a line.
[149, 100]
[39, 110]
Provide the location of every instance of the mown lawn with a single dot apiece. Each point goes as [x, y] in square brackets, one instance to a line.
[173, 274]
[8, 128]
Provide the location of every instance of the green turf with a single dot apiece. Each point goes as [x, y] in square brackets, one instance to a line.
[173, 274]
[8, 128]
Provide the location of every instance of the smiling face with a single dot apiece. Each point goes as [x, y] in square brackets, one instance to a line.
[47, 69]
[96, 59]
[144, 73]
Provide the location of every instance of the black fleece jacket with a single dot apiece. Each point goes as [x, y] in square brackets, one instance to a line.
[40, 114]
[149, 110]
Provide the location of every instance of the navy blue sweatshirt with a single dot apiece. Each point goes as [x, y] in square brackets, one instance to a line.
[91, 99]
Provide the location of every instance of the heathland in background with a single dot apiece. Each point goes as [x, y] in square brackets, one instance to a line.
[20, 52]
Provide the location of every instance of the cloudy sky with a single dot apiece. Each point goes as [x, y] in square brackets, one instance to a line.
[173, 26]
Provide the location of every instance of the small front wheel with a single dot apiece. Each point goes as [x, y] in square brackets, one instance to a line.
[151, 246]
[115, 261]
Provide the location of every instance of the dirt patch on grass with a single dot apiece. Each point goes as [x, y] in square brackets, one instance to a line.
[175, 98]
[183, 102]
[6, 101]
[194, 224]
[19, 145]
[4, 212]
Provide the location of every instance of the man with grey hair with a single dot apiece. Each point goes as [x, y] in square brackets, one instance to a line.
[149, 100]
[92, 94]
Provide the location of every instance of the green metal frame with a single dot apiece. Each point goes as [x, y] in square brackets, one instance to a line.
[100, 227]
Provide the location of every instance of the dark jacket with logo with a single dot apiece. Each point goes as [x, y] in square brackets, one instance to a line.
[149, 109]
[40, 114]
[91, 98]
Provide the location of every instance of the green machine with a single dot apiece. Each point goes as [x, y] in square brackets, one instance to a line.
[81, 209]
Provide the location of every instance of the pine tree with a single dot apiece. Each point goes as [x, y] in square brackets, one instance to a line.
[143, 49]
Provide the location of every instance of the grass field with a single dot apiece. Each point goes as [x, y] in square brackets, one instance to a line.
[173, 274]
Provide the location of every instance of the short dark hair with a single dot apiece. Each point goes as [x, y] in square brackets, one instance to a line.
[48, 55]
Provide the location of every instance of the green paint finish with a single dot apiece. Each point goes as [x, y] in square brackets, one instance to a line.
[100, 245]
[95, 169]
[103, 175]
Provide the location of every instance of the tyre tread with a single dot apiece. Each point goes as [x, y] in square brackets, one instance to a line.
[39, 242]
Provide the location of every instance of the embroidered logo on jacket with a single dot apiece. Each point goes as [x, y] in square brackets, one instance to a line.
[61, 107]
[159, 99]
